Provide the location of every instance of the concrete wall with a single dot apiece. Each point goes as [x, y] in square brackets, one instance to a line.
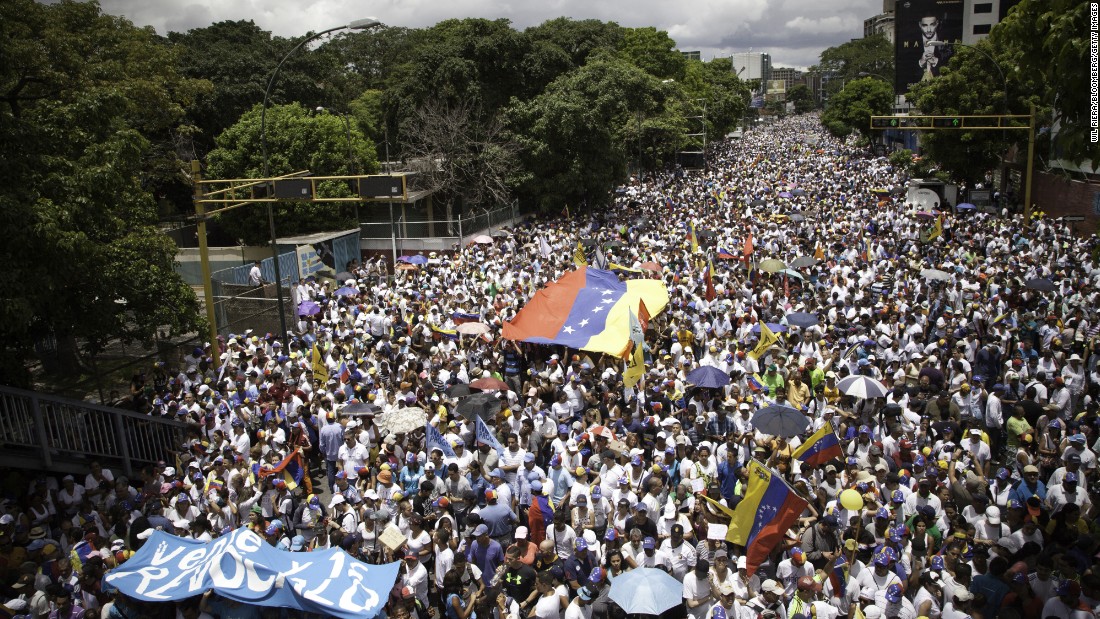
[220, 258]
[1059, 197]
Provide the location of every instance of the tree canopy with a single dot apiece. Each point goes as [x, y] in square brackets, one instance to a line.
[84, 96]
[852, 107]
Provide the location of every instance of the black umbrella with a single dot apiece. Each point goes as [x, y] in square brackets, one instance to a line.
[705, 234]
[798, 192]
[344, 276]
[803, 262]
[757, 203]
[614, 244]
[588, 242]
[479, 405]
[898, 191]
[1040, 283]
[361, 408]
[461, 390]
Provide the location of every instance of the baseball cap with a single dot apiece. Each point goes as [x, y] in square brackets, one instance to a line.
[297, 543]
[580, 544]
[649, 543]
[480, 530]
[807, 583]
[521, 532]
[772, 586]
[893, 593]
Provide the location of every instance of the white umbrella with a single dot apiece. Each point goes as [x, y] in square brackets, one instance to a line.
[936, 275]
[860, 386]
[472, 328]
[403, 420]
[483, 239]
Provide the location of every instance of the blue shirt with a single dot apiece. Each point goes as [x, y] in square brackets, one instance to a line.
[332, 437]
[487, 558]
[563, 481]
[727, 478]
[1022, 492]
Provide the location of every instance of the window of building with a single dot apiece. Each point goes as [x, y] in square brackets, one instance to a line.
[982, 28]
[983, 7]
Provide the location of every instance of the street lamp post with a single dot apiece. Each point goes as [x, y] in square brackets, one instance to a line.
[359, 24]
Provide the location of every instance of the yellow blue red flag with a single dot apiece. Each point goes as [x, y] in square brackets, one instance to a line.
[821, 447]
[762, 518]
[291, 470]
[588, 309]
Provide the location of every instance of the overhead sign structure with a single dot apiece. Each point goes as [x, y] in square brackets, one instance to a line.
[243, 567]
[972, 122]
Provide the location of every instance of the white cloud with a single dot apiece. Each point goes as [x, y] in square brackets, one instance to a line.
[793, 31]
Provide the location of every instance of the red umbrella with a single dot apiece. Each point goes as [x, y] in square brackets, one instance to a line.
[490, 384]
[650, 266]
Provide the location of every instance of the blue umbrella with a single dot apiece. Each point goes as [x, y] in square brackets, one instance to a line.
[965, 206]
[346, 291]
[779, 420]
[784, 194]
[405, 259]
[708, 376]
[308, 308]
[418, 259]
[802, 320]
[646, 591]
[774, 326]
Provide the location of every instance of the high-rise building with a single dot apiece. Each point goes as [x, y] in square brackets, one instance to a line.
[979, 17]
[789, 76]
[752, 66]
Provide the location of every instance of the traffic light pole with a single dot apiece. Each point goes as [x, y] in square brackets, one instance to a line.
[989, 122]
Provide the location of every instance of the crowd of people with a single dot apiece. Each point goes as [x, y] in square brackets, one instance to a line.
[977, 469]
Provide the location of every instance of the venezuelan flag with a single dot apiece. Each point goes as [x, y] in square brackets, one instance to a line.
[762, 518]
[821, 447]
[709, 277]
[462, 318]
[450, 334]
[725, 254]
[754, 383]
[293, 471]
[588, 309]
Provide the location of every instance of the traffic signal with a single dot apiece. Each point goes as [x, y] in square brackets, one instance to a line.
[884, 123]
[947, 122]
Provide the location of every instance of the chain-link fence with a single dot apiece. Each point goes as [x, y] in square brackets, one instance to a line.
[416, 225]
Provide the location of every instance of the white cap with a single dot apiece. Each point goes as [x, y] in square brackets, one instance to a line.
[336, 500]
[182, 524]
[742, 562]
[773, 586]
[993, 515]
[521, 533]
[963, 595]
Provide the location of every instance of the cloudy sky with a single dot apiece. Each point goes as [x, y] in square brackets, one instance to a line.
[794, 32]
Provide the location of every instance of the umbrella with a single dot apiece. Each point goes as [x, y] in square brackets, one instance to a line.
[798, 217]
[479, 405]
[346, 291]
[417, 259]
[1041, 284]
[483, 239]
[490, 384]
[406, 267]
[784, 194]
[803, 320]
[603, 431]
[898, 191]
[650, 266]
[308, 308]
[935, 275]
[460, 390]
[771, 265]
[779, 420]
[757, 203]
[588, 242]
[792, 273]
[403, 420]
[774, 326]
[344, 276]
[501, 234]
[646, 591]
[361, 408]
[798, 192]
[966, 206]
[706, 234]
[925, 214]
[709, 377]
[472, 328]
[860, 386]
[614, 244]
[802, 262]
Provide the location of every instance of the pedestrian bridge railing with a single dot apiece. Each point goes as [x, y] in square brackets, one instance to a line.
[49, 433]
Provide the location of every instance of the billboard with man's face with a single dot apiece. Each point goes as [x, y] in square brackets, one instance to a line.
[920, 25]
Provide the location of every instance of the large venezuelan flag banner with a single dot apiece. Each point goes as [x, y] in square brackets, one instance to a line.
[821, 447]
[587, 309]
[762, 518]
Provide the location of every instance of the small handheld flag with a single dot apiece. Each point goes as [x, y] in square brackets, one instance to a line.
[320, 370]
[434, 440]
[767, 340]
[485, 435]
[579, 258]
[821, 447]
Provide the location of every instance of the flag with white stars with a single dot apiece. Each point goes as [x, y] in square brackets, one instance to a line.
[587, 309]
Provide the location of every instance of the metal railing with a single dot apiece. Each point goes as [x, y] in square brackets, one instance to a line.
[49, 433]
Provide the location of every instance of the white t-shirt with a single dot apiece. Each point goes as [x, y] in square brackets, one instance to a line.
[697, 588]
[576, 611]
[548, 607]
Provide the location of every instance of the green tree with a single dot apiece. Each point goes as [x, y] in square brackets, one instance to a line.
[297, 140]
[1044, 47]
[725, 95]
[873, 55]
[801, 97]
[576, 137]
[853, 106]
[654, 52]
[80, 91]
